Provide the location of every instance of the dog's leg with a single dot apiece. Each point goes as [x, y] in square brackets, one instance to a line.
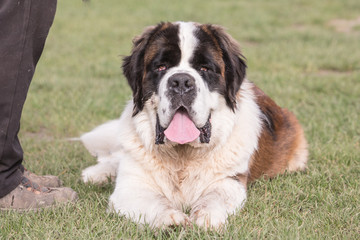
[145, 206]
[103, 171]
[138, 197]
[219, 201]
[103, 143]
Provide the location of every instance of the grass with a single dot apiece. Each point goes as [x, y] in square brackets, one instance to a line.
[293, 54]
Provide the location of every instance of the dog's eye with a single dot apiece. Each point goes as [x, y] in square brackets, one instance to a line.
[161, 68]
[204, 69]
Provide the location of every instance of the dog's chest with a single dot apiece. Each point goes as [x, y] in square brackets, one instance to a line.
[184, 181]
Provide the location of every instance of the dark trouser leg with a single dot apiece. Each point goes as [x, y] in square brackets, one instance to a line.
[24, 26]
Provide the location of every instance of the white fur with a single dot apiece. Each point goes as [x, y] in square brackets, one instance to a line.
[188, 42]
[155, 183]
[205, 100]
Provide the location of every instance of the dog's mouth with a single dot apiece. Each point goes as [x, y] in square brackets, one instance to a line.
[182, 129]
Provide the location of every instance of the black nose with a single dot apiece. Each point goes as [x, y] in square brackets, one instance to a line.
[181, 83]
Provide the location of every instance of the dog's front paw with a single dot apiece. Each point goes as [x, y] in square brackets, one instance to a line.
[95, 174]
[172, 218]
[209, 219]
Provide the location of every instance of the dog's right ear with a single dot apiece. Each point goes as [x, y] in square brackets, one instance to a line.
[133, 66]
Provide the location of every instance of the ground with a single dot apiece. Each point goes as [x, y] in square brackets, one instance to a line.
[304, 54]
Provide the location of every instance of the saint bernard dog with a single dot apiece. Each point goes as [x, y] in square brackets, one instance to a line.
[195, 133]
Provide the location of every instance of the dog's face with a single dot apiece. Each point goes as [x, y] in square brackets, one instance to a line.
[190, 69]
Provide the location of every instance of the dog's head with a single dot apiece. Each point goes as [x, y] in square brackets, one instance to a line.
[190, 69]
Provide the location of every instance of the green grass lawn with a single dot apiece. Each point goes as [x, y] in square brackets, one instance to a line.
[294, 54]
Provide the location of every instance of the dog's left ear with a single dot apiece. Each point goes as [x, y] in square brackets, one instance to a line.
[235, 66]
[133, 66]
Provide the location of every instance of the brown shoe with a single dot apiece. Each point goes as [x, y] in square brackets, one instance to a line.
[30, 196]
[46, 181]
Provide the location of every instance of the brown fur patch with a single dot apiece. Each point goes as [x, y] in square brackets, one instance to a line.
[280, 142]
[154, 48]
[217, 52]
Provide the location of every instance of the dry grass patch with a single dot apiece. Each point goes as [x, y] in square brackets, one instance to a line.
[345, 26]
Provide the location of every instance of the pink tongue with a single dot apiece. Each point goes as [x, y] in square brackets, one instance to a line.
[181, 129]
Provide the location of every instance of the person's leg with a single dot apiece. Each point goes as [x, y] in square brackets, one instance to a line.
[23, 30]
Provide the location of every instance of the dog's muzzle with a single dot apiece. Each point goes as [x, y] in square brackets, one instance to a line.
[181, 90]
